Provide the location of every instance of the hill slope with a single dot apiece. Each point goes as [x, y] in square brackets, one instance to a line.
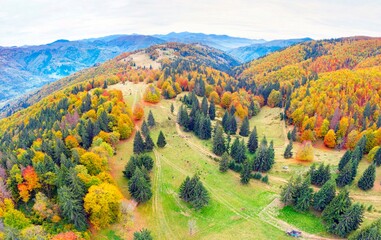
[329, 84]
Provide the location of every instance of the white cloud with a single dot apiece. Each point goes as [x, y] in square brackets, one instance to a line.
[41, 21]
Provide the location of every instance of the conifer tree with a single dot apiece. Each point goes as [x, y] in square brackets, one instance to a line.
[362, 144]
[303, 196]
[103, 121]
[204, 106]
[350, 220]
[366, 181]
[151, 119]
[161, 142]
[324, 196]
[320, 175]
[218, 141]
[252, 144]
[377, 158]
[345, 159]
[224, 162]
[245, 173]
[148, 144]
[139, 187]
[138, 143]
[288, 151]
[212, 111]
[172, 108]
[293, 134]
[335, 209]
[288, 191]
[143, 234]
[345, 176]
[183, 118]
[232, 128]
[225, 121]
[245, 128]
[145, 129]
[357, 154]
[193, 191]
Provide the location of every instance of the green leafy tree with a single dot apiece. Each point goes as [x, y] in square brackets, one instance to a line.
[161, 142]
[366, 181]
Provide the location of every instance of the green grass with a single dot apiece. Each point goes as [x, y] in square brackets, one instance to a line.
[305, 221]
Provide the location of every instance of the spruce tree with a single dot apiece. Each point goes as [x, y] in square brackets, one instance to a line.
[362, 144]
[183, 118]
[288, 191]
[212, 111]
[172, 108]
[103, 121]
[224, 162]
[225, 121]
[252, 144]
[143, 234]
[148, 144]
[235, 148]
[345, 176]
[293, 134]
[138, 143]
[161, 142]
[218, 141]
[205, 128]
[357, 154]
[145, 129]
[232, 129]
[350, 220]
[245, 173]
[193, 191]
[151, 119]
[245, 128]
[335, 209]
[366, 181]
[288, 151]
[303, 196]
[139, 187]
[324, 196]
[345, 159]
[320, 175]
[204, 106]
[377, 158]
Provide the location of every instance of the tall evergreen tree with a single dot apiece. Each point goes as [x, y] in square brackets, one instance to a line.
[148, 144]
[288, 151]
[324, 196]
[245, 128]
[320, 175]
[224, 162]
[245, 172]
[345, 176]
[172, 108]
[232, 128]
[161, 142]
[103, 121]
[139, 187]
[145, 129]
[345, 159]
[303, 196]
[252, 144]
[151, 119]
[235, 148]
[138, 143]
[366, 181]
[212, 110]
[293, 134]
[193, 191]
[335, 209]
[218, 141]
[225, 121]
[350, 220]
[377, 157]
[362, 144]
[204, 106]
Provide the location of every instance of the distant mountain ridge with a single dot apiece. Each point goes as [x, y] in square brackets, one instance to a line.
[257, 50]
[27, 68]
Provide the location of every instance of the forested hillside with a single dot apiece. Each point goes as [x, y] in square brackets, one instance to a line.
[323, 85]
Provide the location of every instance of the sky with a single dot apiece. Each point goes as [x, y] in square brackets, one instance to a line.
[33, 22]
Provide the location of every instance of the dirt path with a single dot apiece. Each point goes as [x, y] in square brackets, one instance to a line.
[166, 233]
[268, 215]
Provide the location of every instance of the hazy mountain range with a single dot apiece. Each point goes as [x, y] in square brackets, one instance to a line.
[27, 68]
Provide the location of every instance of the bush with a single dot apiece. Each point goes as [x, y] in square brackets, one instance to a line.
[256, 175]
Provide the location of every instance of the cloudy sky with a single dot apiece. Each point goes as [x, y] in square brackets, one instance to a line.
[42, 21]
